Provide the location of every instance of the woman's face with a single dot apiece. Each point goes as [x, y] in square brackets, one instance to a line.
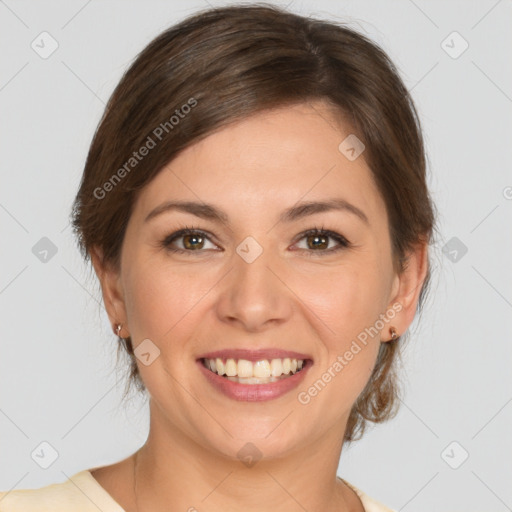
[251, 279]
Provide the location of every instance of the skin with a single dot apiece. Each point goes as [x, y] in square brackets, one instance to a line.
[293, 296]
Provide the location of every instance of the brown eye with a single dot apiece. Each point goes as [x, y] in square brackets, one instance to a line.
[322, 242]
[193, 241]
[317, 241]
[188, 240]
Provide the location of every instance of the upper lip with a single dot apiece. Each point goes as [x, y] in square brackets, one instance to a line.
[254, 355]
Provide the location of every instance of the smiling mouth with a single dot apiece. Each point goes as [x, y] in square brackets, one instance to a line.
[254, 372]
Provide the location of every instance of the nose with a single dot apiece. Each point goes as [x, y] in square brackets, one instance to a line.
[254, 296]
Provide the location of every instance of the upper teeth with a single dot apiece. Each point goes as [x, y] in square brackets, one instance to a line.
[260, 369]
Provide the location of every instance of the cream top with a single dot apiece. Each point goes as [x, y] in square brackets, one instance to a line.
[83, 493]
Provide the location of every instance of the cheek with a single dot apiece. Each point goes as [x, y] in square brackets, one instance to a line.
[349, 346]
[161, 300]
[347, 299]
[349, 302]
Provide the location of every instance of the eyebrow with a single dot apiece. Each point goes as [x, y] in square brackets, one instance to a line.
[298, 211]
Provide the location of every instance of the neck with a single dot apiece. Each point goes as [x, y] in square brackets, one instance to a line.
[174, 472]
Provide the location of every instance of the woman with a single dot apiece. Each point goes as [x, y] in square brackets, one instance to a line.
[254, 204]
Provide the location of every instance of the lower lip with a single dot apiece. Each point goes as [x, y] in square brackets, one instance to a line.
[254, 392]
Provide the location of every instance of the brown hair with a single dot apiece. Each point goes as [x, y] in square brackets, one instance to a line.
[223, 64]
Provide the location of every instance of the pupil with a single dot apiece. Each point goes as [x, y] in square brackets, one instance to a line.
[196, 239]
[316, 239]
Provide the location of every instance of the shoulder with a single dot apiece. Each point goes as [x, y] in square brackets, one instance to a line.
[369, 504]
[80, 493]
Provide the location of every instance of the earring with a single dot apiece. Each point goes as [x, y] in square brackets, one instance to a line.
[394, 334]
[118, 329]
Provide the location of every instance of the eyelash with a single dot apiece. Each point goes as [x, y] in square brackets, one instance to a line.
[190, 230]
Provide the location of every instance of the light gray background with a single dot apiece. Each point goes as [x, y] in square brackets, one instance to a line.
[57, 351]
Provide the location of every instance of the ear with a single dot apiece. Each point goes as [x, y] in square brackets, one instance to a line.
[112, 291]
[406, 290]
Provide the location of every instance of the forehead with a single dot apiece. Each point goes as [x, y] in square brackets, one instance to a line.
[266, 162]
